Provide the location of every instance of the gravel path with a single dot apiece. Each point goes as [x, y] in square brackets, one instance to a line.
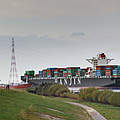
[93, 113]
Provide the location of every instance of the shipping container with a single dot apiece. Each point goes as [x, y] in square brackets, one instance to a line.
[30, 73]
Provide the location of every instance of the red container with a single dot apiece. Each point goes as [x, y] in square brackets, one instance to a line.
[107, 70]
[108, 66]
[100, 67]
[26, 75]
[56, 70]
[65, 74]
[108, 73]
[36, 75]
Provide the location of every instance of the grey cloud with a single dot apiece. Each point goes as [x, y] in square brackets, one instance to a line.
[54, 8]
[78, 34]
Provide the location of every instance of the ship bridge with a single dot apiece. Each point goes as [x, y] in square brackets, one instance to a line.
[100, 60]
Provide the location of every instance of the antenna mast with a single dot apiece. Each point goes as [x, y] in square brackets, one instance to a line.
[13, 70]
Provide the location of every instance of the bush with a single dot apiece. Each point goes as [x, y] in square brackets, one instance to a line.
[87, 94]
[52, 90]
[70, 95]
[101, 96]
[57, 90]
[95, 95]
[106, 94]
[61, 91]
[114, 99]
[43, 89]
[32, 90]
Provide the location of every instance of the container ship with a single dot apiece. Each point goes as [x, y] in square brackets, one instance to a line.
[101, 74]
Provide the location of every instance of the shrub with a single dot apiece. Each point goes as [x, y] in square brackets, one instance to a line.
[106, 95]
[31, 90]
[52, 90]
[87, 94]
[114, 99]
[43, 89]
[95, 95]
[57, 90]
[61, 91]
[70, 95]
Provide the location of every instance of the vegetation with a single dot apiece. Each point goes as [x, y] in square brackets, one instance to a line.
[49, 90]
[89, 94]
[19, 105]
[105, 96]
[110, 112]
[55, 90]
[93, 98]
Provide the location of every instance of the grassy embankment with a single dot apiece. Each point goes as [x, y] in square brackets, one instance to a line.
[110, 112]
[19, 105]
[99, 100]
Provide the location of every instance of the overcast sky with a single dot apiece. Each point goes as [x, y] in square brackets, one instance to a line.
[57, 33]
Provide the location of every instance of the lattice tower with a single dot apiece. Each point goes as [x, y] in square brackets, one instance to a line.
[13, 69]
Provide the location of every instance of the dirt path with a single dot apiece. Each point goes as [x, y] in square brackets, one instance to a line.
[93, 113]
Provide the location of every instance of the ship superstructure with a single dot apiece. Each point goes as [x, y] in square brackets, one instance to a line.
[100, 60]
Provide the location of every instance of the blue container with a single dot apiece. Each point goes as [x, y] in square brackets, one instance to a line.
[115, 71]
[51, 68]
[98, 74]
[116, 68]
[40, 75]
[40, 72]
[108, 68]
[49, 76]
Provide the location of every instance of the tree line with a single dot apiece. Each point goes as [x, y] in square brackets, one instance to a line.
[88, 94]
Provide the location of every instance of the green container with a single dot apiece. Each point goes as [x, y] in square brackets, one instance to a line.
[64, 71]
[69, 75]
[55, 75]
[30, 73]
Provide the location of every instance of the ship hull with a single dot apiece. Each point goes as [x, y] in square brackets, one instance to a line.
[78, 82]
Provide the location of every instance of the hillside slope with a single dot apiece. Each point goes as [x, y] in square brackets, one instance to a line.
[19, 105]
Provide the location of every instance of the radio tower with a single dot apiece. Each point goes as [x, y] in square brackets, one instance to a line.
[13, 70]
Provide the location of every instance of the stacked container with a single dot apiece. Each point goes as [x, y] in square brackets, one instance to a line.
[65, 74]
[61, 70]
[83, 72]
[100, 70]
[73, 71]
[40, 74]
[56, 72]
[116, 71]
[37, 75]
[69, 71]
[109, 69]
[29, 73]
[78, 73]
[44, 73]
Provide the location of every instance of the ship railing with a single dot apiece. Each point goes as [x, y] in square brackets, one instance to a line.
[37, 78]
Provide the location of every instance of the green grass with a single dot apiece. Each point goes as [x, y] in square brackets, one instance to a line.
[110, 112]
[19, 105]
